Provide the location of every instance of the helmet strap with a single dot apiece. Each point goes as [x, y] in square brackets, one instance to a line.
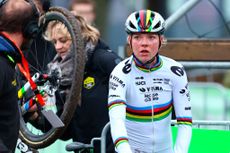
[159, 42]
[130, 42]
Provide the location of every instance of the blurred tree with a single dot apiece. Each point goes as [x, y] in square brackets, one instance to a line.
[101, 15]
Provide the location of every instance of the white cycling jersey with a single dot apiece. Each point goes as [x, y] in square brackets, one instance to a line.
[140, 105]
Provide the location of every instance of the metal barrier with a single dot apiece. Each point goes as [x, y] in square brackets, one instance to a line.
[205, 85]
[196, 123]
[223, 94]
[199, 123]
[205, 64]
[103, 137]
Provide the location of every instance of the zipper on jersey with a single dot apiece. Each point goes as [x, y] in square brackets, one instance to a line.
[149, 78]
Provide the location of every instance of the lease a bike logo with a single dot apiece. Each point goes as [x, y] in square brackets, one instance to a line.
[89, 82]
[177, 70]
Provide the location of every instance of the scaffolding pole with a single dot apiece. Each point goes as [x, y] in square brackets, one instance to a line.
[180, 12]
[205, 64]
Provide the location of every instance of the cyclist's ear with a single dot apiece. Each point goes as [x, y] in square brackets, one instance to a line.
[129, 39]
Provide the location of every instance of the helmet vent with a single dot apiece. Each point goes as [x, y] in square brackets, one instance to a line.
[137, 15]
[131, 25]
[157, 25]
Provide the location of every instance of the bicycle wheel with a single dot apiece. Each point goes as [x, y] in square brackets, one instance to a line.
[30, 134]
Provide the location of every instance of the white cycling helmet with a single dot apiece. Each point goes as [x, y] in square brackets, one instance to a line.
[145, 21]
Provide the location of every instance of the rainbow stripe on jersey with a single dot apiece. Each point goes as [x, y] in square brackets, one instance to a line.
[120, 140]
[149, 113]
[184, 120]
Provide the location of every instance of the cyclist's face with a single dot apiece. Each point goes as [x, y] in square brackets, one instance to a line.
[145, 45]
[61, 42]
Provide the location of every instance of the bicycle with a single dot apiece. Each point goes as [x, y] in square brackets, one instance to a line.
[29, 94]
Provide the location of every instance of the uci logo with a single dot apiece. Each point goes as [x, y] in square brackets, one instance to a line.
[140, 83]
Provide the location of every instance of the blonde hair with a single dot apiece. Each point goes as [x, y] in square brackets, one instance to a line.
[89, 32]
[56, 26]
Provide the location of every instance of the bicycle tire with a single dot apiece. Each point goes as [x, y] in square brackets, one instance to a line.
[44, 140]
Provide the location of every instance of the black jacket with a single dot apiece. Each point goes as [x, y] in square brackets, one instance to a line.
[9, 114]
[92, 115]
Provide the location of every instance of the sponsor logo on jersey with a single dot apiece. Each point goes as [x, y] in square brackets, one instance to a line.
[151, 89]
[177, 70]
[89, 82]
[139, 78]
[113, 85]
[114, 96]
[142, 89]
[140, 83]
[188, 95]
[166, 81]
[150, 97]
[161, 80]
[127, 68]
[157, 80]
[119, 81]
[187, 108]
[185, 91]
[147, 97]
[182, 91]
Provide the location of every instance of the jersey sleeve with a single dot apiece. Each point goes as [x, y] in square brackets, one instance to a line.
[117, 111]
[182, 105]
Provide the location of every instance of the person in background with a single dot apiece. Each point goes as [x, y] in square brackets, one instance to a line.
[62, 63]
[142, 90]
[18, 24]
[92, 115]
[84, 8]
